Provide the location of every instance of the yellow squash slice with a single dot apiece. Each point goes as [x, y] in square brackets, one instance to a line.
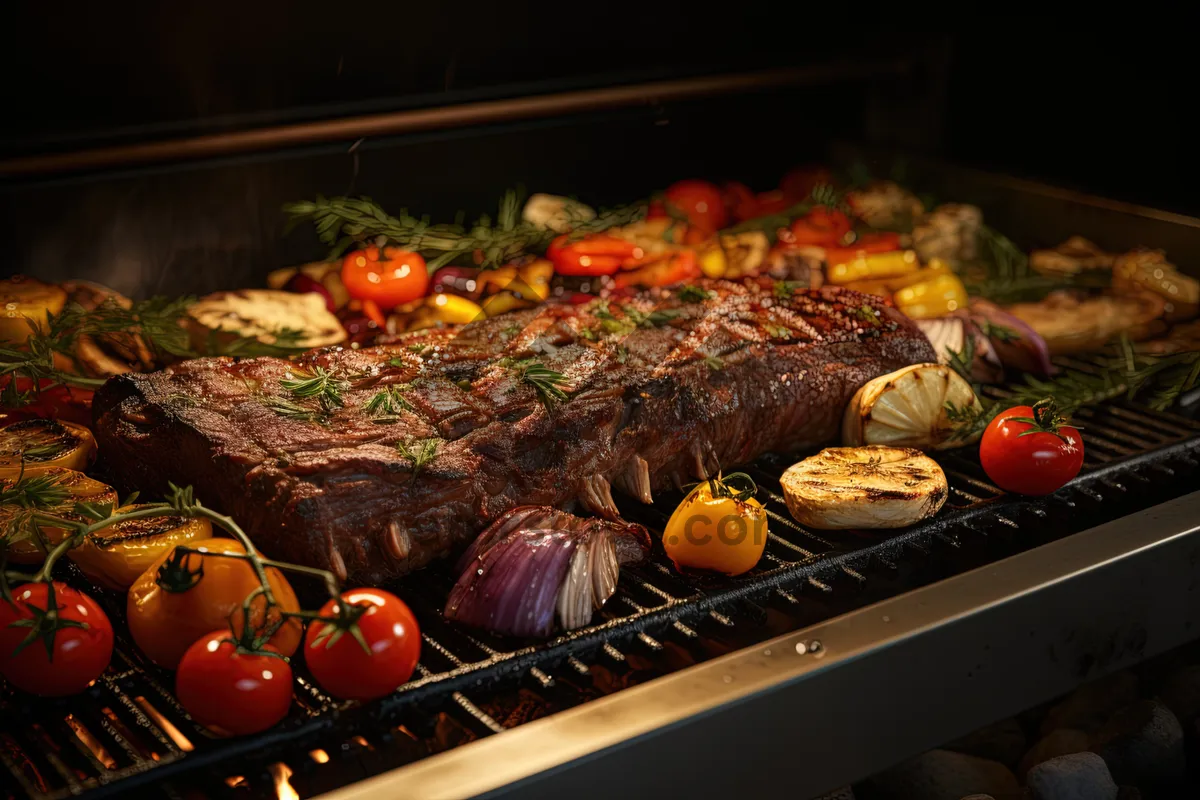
[66, 488]
[45, 443]
[115, 556]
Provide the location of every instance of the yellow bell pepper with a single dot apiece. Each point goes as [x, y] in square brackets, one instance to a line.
[874, 266]
[933, 298]
[536, 275]
[713, 263]
[719, 526]
[886, 286]
[115, 556]
[504, 301]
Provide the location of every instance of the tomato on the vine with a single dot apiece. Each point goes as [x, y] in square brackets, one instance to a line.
[54, 640]
[230, 691]
[389, 278]
[1031, 450]
[700, 201]
[372, 658]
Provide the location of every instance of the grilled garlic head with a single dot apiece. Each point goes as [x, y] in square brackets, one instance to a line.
[864, 487]
[910, 408]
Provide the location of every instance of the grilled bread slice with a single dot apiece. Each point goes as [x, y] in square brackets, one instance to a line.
[864, 487]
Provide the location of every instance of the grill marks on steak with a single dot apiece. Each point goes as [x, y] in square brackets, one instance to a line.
[715, 386]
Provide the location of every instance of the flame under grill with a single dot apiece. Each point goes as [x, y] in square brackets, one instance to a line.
[127, 732]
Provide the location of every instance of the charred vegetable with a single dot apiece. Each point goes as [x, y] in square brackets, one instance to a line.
[719, 526]
[537, 565]
[864, 487]
[911, 407]
[116, 556]
[45, 443]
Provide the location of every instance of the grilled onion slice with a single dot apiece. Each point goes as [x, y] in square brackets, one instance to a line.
[63, 488]
[864, 487]
[115, 556]
[45, 443]
[909, 408]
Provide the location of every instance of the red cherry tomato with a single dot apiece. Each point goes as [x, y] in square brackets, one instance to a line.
[394, 277]
[866, 244]
[337, 659]
[821, 227]
[1029, 450]
[232, 693]
[798, 184]
[81, 636]
[700, 201]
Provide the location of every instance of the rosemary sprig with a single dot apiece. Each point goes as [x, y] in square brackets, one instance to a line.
[342, 222]
[318, 384]
[694, 294]
[777, 331]
[1032, 287]
[550, 386]
[386, 404]
[713, 362]
[286, 408]
[34, 492]
[821, 195]
[418, 451]
[1158, 381]
[783, 290]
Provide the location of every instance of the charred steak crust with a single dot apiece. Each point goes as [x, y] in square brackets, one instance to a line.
[656, 399]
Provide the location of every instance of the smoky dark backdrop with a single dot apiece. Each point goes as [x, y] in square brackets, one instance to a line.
[1096, 112]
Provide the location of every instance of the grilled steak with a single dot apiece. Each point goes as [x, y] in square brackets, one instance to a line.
[661, 390]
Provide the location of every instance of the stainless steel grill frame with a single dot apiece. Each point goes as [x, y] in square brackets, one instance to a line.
[659, 621]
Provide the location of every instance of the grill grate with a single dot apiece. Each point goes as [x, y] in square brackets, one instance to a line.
[128, 732]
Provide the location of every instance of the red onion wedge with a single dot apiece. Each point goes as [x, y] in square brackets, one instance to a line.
[537, 565]
[1018, 345]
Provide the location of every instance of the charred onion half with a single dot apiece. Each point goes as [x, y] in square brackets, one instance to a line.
[536, 565]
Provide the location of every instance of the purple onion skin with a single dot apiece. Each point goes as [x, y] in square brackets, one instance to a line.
[511, 575]
[1027, 353]
[513, 587]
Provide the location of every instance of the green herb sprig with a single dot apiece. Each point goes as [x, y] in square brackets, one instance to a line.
[418, 451]
[550, 386]
[343, 222]
[386, 404]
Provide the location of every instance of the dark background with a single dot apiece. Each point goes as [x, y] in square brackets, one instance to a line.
[1092, 111]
